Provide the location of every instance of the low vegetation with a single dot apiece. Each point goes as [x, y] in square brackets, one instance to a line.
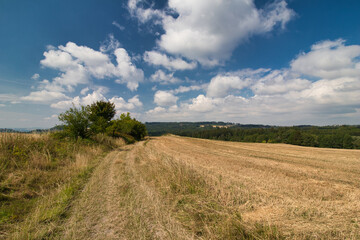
[347, 137]
[87, 121]
[174, 187]
[83, 182]
[41, 174]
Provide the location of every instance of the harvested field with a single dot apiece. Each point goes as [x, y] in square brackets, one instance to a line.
[304, 192]
[182, 188]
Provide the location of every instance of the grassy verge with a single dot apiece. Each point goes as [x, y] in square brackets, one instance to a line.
[39, 176]
[166, 198]
[195, 203]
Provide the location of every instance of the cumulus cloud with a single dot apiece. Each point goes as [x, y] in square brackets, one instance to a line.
[329, 59]
[144, 15]
[121, 105]
[156, 110]
[170, 63]
[125, 106]
[209, 30]
[163, 78]
[220, 85]
[165, 99]
[79, 63]
[44, 96]
[127, 71]
[282, 96]
[279, 82]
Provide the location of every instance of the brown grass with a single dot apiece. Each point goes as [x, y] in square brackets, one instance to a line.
[182, 188]
[39, 175]
[304, 192]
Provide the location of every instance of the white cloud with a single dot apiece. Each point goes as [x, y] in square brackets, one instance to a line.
[183, 89]
[163, 78]
[59, 60]
[156, 110]
[279, 82]
[66, 104]
[90, 98]
[209, 30]
[84, 91]
[164, 99]
[329, 59]
[144, 15]
[202, 104]
[127, 71]
[78, 64]
[170, 63]
[110, 44]
[221, 85]
[36, 76]
[118, 25]
[283, 96]
[135, 101]
[93, 97]
[96, 63]
[122, 106]
[44, 96]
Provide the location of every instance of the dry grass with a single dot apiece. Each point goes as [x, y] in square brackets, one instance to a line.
[39, 175]
[141, 193]
[305, 192]
[182, 188]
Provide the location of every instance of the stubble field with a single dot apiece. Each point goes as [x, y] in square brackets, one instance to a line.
[173, 187]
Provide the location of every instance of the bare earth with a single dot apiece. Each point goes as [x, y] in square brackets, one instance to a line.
[182, 188]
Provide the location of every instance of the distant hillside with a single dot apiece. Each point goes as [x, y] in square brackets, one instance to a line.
[160, 128]
[7, 130]
[31, 130]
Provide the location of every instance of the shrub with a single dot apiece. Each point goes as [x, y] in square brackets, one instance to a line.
[76, 121]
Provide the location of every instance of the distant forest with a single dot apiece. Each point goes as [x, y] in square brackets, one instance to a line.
[327, 137]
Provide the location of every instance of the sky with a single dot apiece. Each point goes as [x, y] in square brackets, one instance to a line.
[277, 62]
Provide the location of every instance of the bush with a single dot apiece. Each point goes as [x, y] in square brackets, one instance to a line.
[90, 120]
[76, 121]
[100, 115]
[128, 126]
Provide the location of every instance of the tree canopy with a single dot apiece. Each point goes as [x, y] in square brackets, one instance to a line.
[97, 118]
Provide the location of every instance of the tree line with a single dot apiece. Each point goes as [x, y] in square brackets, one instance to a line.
[98, 118]
[327, 137]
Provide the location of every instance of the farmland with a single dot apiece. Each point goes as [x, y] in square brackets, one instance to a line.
[174, 187]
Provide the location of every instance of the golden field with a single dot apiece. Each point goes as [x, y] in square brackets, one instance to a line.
[173, 187]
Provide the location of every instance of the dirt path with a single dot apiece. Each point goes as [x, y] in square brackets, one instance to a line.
[118, 204]
[182, 188]
[95, 214]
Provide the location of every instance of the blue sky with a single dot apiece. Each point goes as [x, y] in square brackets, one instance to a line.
[269, 62]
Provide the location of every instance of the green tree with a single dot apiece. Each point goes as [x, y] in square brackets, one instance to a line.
[127, 125]
[100, 115]
[348, 141]
[76, 122]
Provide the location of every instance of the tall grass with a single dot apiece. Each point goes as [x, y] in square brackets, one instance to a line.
[36, 167]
